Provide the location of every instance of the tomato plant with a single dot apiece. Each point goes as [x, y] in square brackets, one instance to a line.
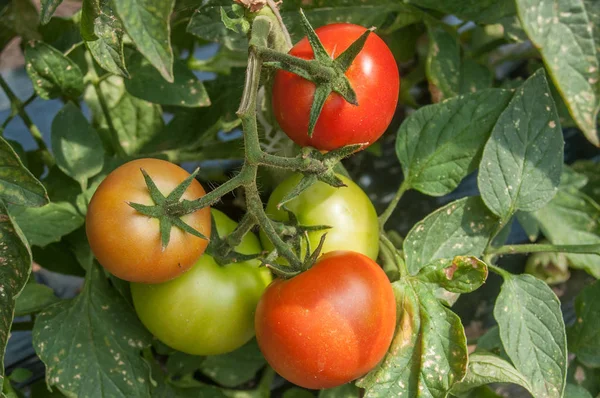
[347, 211]
[208, 310]
[126, 242]
[330, 324]
[478, 197]
[374, 77]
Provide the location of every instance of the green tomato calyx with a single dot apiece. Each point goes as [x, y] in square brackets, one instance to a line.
[168, 210]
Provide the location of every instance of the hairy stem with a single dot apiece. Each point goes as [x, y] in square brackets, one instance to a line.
[536, 248]
[19, 108]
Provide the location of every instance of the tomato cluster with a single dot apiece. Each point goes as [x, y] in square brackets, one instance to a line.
[324, 327]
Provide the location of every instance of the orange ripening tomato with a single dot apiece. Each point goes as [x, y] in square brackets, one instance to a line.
[128, 243]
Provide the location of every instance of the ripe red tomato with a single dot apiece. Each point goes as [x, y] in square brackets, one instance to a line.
[126, 242]
[330, 324]
[374, 77]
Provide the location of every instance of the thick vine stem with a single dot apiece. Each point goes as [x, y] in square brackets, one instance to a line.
[19, 108]
[388, 246]
[537, 248]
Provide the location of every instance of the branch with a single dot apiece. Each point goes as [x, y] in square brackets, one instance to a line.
[537, 248]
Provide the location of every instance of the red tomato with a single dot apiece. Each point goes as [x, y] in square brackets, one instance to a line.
[330, 324]
[373, 76]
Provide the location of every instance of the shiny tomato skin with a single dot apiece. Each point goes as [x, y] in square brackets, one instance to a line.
[347, 210]
[208, 310]
[330, 324]
[374, 77]
[126, 242]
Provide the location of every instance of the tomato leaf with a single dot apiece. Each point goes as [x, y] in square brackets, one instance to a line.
[522, 161]
[459, 275]
[147, 84]
[428, 354]
[107, 48]
[575, 391]
[533, 333]
[461, 228]
[439, 145]
[485, 368]
[474, 77]
[15, 266]
[206, 24]
[76, 145]
[572, 218]
[137, 121]
[47, 224]
[48, 8]
[17, 184]
[147, 23]
[584, 335]
[52, 73]
[487, 11]
[344, 391]
[591, 171]
[91, 344]
[443, 63]
[565, 33]
[529, 225]
[90, 10]
[34, 298]
[234, 368]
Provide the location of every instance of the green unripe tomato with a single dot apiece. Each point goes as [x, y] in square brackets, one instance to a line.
[208, 310]
[347, 210]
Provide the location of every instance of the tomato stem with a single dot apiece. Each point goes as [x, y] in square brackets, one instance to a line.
[405, 186]
[550, 248]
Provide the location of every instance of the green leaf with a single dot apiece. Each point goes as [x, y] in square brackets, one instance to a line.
[90, 10]
[459, 275]
[584, 335]
[491, 342]
[440, 144]
[52, 73]
[521, 163]
[572, 218]
[344, 391]
[461, 228]
[583, 376]
[48, 8]
[443, 63]
[15, 266]
[487, 11]
[146, 83]
[91, 344]
[572, 179]
[18, 18]
[485, 368]
[107, 49]
[17, 184]
[137, 122]
[234, 368]
[20, 375]
[529, 224]
[58, 257]
[474, 76]
[590, 170]
[562, 30]
[206, 24]
[296, 392]
[34, 298]
[575, 391]
[360, 12]
[76, 145]
[148, 24]
[62, 33]
[47, 224]
[428, 354]
[533, 333]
